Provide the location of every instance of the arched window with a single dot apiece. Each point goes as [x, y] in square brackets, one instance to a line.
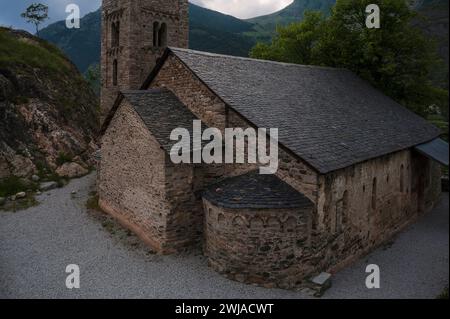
[115, 71]
[162, 36]
[402, 176]
[115, 34]
[374, 193]
[155, 33]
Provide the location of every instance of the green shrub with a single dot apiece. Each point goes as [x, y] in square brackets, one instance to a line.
[63, 158]
[444, 294]
[92, 202]
[12, 185]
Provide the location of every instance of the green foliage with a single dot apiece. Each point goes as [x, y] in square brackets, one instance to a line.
[32, 52]
[36, 13]
[93, 77]
[265, 27]
[444, 294]
[93, 202]
[12, 185]
[397, 58]
[63, 158]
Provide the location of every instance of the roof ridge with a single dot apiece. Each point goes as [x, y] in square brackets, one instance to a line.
[204, 53]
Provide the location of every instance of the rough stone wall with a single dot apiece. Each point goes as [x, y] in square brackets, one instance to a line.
[291, 169]
[136, 52]
[356, 209]
[362, 206]
[140, 186]
[191, 92]
[175, 76]
[131, 180]
[270, 248]
[185, 223]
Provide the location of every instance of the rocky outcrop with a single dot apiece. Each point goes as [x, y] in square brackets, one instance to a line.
[71, 170]
[47, 110]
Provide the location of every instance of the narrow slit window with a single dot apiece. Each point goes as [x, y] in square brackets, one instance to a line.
[374, 193]
[162, 36]
[402, 176]
[115, 71]
[155, 33]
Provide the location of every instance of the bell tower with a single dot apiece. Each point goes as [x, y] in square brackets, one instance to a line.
[134, 35]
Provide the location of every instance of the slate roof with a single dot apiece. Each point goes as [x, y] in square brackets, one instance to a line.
[329, 117]
[436, 149]
[255, 191]
[161, 111]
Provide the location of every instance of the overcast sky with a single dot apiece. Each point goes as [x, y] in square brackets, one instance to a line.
[11, 9]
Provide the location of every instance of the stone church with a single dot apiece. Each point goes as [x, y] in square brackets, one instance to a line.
[355, 167]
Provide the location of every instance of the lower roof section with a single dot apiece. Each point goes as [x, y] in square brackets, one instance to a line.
[255, 191]
[436, 149]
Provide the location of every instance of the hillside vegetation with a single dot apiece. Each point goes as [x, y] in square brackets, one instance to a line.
[265, 26]
[46, 107]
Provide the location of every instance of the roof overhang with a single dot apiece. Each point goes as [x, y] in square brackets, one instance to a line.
[437, 150]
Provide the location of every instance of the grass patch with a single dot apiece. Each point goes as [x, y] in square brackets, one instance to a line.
[20, 204]
[63, 158]
[12, 185]
[46, 174]
[444, 294]
[92, 202]
[33, 52]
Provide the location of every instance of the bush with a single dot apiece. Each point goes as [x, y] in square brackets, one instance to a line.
[63, 158]
[12, 185]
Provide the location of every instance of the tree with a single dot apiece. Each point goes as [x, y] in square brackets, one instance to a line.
[36, 14]
[93, 77]
[397, 58]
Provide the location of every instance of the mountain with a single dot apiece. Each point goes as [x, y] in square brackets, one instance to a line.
[219, 33]
[209, 31]
[215, 32]
[265, 26]
[48, 113]
[81, 45]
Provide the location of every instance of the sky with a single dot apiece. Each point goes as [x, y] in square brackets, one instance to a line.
[11, 9]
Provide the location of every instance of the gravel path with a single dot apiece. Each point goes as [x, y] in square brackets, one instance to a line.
[37, 244]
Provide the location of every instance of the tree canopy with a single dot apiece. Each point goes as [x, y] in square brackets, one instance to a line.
[396, 58]
[36, 13]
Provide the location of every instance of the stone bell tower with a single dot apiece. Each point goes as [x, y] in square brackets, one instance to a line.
[134, 35]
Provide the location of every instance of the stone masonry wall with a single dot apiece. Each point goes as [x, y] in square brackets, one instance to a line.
[185, 222]
[176, 77]
[191, 92]
[291, 169]
[136, 52]
[131, 180]
[362, 206]
[144, 190]
[269, 248]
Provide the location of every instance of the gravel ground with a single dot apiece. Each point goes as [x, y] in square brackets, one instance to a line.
[37, 244]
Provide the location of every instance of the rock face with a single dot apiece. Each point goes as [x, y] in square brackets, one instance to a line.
[46, 107]
[71, 170]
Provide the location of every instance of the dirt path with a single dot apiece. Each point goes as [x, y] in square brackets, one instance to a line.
[37, 244]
